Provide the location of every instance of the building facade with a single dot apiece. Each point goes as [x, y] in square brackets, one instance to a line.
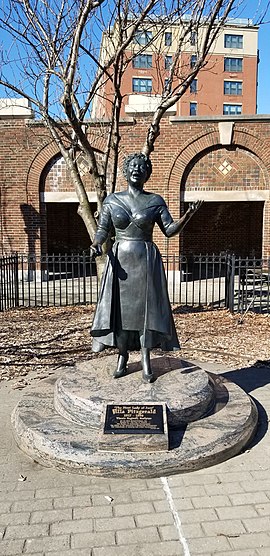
[227, 85]
[223, 160]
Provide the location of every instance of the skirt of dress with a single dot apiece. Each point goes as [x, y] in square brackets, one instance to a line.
[134, 297]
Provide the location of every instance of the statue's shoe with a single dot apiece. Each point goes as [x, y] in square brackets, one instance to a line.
[148, 375]
[121, 371]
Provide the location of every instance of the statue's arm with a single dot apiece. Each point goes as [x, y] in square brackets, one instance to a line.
[172, 227]
[103, 229]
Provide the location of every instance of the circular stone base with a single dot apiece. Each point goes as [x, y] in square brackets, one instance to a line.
[52, 440]
[81, 395]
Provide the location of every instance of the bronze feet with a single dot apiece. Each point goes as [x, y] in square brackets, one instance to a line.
[121, 368]
[147, 373]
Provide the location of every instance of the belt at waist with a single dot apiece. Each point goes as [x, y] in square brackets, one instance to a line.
[128, 238]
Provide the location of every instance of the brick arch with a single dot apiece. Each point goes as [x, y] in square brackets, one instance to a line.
[49, 151]
[188, 152]
[202, 143]
[38, 164]
[193, 150]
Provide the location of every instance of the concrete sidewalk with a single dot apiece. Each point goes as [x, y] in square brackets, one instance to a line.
[222, 510]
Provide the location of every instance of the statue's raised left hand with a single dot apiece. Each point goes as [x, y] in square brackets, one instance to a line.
[194, 206]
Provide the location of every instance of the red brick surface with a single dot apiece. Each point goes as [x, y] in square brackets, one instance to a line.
[187, 157]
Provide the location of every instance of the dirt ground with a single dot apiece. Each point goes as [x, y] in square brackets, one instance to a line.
[47, 338]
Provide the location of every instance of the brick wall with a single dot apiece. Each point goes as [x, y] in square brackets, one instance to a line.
[188, 161]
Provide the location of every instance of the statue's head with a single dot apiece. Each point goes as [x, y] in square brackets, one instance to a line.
[142, 159]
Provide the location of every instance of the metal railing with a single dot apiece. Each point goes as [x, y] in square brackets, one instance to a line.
[248, 284]
[224, 280]
[9, 282]
[48, 280]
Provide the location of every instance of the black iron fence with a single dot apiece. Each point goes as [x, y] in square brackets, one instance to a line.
[49, 280]
[224, 280]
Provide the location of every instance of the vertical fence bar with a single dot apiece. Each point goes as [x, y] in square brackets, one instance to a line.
[66, 274]
[79, 279]
[231, 284]
[41, 280]
[53, 277]
[205, 276]
[47, 279]
[200, 279]
[16, 280]
[84, 279]
[72, 278]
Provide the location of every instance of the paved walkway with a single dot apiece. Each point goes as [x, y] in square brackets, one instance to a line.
[223, 510]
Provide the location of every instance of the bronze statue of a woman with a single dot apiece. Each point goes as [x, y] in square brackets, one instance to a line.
[133, 310]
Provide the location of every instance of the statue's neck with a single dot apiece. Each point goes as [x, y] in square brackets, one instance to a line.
[134, 191]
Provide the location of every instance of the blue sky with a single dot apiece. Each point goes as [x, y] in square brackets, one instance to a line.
[254, 10]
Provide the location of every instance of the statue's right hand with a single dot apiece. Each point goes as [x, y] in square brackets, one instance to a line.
[95, 251]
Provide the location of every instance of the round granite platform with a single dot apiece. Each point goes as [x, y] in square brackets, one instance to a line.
[59, 422]
[187, 390]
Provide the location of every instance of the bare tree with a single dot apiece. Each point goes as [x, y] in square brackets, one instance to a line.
[52, 59]
[58, 54]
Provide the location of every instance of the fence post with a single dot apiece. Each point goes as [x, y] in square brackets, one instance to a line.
[16, 280]
[229, 286]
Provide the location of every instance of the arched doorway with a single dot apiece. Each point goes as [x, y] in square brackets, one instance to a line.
[231, 182]
[64, 230]
[234, 227]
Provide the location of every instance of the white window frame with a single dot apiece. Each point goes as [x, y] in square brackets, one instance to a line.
[140, 78]
[168, 35]
[235, 105]
[147, 57]
[232, 45]
[195, 82]
[232, 82]
[143, 37]
[194, 104]
[231, 70]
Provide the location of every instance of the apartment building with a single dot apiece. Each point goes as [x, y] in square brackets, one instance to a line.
[227, 85]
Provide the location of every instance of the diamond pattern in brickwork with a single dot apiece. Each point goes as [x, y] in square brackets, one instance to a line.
[225, 168]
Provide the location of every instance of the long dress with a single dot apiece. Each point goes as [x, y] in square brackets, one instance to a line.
[133, 293]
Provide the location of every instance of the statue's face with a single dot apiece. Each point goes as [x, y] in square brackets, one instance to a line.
[137, 172]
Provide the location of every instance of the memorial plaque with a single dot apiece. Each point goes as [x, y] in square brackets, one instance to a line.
[134, 419]
[134, 427]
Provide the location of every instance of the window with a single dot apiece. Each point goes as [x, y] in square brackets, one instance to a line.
[143, 37]
[233, 64]
[167, 86]
[233, 41]
[193, 108]
[233, 87]
[193, 38]
[193, 60]
[168, 39]
[141, 85]
[194, 86]
[168, 62]
[233, 109]
[142, 61]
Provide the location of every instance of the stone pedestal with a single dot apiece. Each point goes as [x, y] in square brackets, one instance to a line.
[60, 422]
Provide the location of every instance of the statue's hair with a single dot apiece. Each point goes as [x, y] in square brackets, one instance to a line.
[142, 156]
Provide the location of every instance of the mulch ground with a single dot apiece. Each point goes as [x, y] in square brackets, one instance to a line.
[47, 338]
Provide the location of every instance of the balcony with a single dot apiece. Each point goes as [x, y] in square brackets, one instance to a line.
[141, 104]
